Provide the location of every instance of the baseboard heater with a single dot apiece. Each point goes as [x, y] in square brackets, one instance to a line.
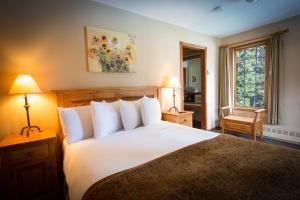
[282, 133]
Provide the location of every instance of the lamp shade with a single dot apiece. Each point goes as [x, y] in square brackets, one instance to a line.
[24, 84]
[173, 83]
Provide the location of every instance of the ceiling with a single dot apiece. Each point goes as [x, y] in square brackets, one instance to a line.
[233, 17]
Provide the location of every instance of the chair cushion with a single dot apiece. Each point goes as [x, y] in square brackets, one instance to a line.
[239, 118]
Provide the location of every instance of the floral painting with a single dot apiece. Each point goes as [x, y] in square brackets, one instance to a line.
[194, 79]
[110, 51]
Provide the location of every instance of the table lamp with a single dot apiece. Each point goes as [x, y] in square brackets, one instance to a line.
[173, 83]
[25, 84]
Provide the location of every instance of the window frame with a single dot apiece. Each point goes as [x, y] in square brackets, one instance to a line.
[233, 74]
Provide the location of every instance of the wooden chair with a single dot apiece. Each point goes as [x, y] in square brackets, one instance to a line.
[249, 121]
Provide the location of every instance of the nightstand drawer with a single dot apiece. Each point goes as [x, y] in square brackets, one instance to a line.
[184, 119]
[29, 153]
[187, 124]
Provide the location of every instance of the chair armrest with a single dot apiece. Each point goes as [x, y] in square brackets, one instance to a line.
[222, 109]
[225, 108]
[259, 111]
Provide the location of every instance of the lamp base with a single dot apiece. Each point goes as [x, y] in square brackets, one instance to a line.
[28, 129]
[175, 108]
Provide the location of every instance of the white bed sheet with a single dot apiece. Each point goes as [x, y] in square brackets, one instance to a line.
[90, 160]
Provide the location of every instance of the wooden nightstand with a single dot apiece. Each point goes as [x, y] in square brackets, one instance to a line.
[184, 118]
[28, 166]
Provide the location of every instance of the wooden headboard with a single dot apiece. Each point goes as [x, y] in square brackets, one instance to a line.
[81, 97]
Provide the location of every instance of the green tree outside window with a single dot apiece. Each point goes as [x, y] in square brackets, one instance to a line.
[250, 76]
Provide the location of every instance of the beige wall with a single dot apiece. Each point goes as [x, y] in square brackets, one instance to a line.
[289, 101]
[46, 39]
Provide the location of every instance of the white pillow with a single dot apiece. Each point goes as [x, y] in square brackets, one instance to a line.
[131, 114]
[76, 123]
[106, 118]
[150, 110]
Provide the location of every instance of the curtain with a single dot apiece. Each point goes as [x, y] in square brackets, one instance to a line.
[224, 77]
[276, 58]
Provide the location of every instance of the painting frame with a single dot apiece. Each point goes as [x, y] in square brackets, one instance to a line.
[110, 51]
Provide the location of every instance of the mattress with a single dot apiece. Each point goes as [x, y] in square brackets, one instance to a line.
[91, 160]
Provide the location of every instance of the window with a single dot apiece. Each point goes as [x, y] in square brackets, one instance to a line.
[249, 76]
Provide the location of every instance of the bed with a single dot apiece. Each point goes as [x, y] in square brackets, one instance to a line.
[171, 161]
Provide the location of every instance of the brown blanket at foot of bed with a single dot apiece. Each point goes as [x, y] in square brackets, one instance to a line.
[225, 167]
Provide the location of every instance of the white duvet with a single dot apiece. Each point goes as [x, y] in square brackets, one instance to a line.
[90, 160]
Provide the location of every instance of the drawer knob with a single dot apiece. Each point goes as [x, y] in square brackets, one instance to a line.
[29, 154]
